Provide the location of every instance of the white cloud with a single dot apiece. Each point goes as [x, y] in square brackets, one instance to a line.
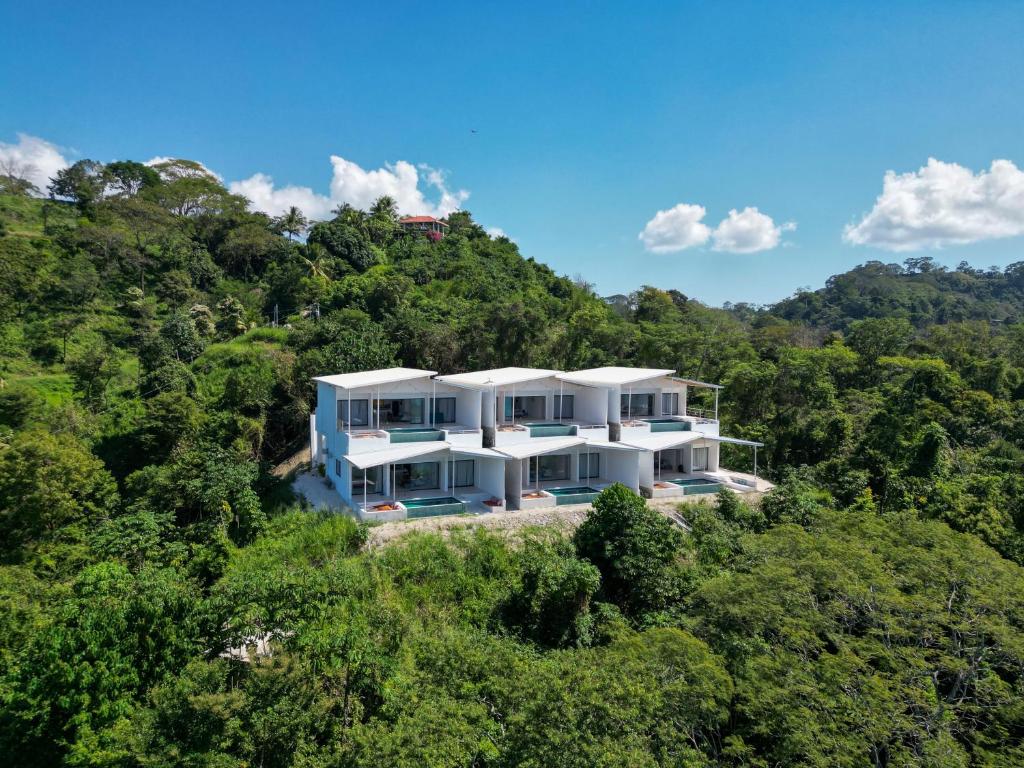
[748, 231]
[260, 190]
[353, 184]
[497, 232]
[37, 159]
[674, 230]
[943, 204]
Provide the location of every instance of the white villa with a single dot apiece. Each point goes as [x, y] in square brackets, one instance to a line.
[403, 442]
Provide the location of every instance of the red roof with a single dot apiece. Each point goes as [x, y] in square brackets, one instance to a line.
[421, 220]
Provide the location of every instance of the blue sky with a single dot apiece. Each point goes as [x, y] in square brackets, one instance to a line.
[590, 118]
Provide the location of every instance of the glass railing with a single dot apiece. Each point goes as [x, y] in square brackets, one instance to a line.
[551, 430]
[415, 435]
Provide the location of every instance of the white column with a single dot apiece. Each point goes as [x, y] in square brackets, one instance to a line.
[716, 405]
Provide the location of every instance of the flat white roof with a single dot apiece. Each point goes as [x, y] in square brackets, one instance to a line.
[695, 383]
[496, 377]
[539, 446]
[391, 455]
[736, 441]
[373, 378]
[611, 376]
[664, 440]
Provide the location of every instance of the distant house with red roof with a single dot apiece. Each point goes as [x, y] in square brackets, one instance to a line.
[433, 228]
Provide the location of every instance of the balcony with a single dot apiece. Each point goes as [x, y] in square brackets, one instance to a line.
[551, 429]
[669, 424]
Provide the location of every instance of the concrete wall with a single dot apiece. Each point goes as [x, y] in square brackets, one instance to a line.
[513, 482]
[646, 476]
[622, 467]
[591, 405]
[490, 476]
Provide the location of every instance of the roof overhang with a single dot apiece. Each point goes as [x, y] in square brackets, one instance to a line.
[664, 440]
[392, 455]
[614, 376]
[364, 379]
[695, 383]
[538, 446]
[737, 441]
[481, 453]
[496, 377]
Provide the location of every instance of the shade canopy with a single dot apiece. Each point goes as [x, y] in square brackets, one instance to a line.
[539, 446]
[496, 377]
[396, 454]
[737, 441]
[613, 376]
[664, 441]
[364, 379]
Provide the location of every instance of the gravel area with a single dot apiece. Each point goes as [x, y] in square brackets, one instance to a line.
[567, 517]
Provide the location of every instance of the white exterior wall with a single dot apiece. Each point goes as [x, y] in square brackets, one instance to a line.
[622, 467]
[646, 469]
[513, 482]
[490, 477]
[591, 405]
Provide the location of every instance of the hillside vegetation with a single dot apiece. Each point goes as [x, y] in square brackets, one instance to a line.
[867, 612]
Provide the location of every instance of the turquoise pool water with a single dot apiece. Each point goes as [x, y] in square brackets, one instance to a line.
[693, 485]
[414, 434]
[669, 425]
[550, 429]
[429, 507]
[580, 494]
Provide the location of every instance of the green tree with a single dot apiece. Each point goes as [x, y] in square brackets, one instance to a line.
[634, 548]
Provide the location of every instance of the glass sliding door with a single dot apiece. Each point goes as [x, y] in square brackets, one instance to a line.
[670, 404]
[700, 460]
[420, 476]
[360, 414]
[444, 410]
[554, 467]
[590, 465]
[366, 482]
[636, 406]
[564, 406]
[397, 412]
[461, 473]
[529, 407]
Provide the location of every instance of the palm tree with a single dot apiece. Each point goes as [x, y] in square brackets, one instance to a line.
[315, 258]
[292, 223]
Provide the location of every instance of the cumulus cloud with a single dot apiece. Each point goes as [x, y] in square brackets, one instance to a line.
[943, 204]
[682, 227]
[32, 158]
[676, 229]
[748, 231]
[264, 196]
[411, 187]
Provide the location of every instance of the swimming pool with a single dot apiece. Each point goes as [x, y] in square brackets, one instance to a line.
[429, 507]
[693, 485]
[414, 434]
[669, 425]
[580, 494]
[550, 429]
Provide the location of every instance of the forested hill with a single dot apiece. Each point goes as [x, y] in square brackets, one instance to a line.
[919, 290]
[869, 611]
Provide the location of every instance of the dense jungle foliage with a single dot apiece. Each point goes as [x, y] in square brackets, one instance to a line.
[867, 612]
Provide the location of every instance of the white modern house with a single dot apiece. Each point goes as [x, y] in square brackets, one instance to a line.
[396, 442]
[403, 442]
[649, 410]
[551, 434]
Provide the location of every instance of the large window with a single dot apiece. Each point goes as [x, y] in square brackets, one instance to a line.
[590, 465]
[700, 460]
[366, 482]
[670, 403]
[564, 406]
[360, 414]
[444, 410]
[461, 473]
[526, 407]
[550, 467]
[636, 406]
[395, 412]
[417, 477]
